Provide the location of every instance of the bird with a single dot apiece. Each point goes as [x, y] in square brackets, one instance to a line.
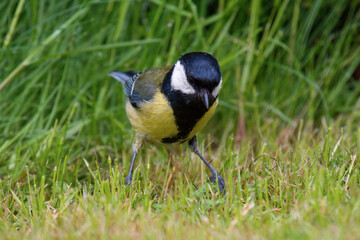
[172, 104]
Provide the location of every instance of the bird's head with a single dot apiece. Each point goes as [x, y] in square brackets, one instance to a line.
[197, 73]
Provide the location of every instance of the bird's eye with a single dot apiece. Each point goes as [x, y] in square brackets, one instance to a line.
[191, 80]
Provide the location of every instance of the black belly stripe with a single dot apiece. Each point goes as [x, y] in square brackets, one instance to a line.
[188, 110]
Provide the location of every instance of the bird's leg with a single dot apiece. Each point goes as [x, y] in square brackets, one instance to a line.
[215, 176]
[136, 146]
[128, 179]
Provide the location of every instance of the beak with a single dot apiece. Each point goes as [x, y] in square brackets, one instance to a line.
[205, 98]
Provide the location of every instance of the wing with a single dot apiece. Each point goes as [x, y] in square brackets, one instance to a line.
[140, 87]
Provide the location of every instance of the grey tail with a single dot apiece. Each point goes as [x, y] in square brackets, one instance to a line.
[127, 79]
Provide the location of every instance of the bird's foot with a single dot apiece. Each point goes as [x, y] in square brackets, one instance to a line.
[128, 179]
[220, 181]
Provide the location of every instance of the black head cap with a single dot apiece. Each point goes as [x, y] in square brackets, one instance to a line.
[201, 69]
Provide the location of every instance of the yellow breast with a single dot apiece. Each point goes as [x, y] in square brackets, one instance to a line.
[155, 119]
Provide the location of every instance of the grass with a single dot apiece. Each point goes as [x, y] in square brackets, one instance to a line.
[285, 135]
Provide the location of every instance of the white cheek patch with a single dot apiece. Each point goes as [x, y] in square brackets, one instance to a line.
[179, 80]
[216, 90]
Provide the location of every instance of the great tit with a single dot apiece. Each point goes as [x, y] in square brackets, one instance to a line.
[171, 104]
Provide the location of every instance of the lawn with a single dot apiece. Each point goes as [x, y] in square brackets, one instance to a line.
[285, 135]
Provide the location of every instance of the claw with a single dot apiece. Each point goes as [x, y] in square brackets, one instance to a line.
[220, 181]
[128, 180]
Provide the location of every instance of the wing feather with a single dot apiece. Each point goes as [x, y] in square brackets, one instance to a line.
[140, 87]
[127, 79]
